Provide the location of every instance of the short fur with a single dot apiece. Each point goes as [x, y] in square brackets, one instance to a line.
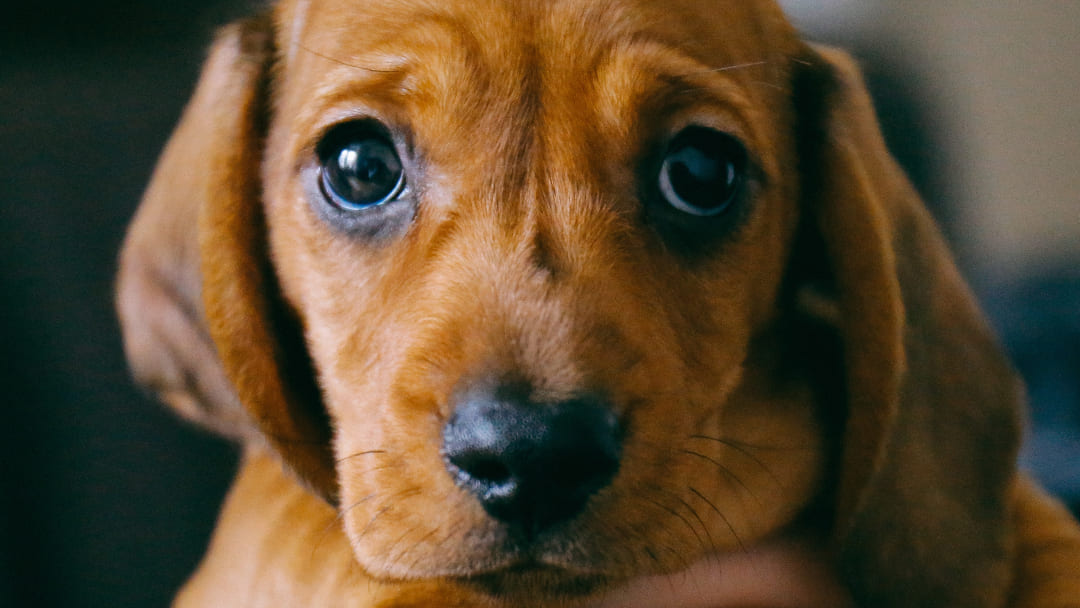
[815, 387]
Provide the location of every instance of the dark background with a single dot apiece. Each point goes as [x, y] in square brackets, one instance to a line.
[105, 498]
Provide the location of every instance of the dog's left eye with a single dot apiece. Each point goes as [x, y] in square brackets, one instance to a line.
[359, 169]
[702, 172]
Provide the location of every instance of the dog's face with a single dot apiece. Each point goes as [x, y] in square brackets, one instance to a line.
[568, 222]
[546, 296]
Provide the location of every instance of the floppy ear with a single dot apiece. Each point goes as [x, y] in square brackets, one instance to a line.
[931, 427]
[204, 325]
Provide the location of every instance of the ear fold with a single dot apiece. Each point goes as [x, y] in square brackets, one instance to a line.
[203, 321]
[932, 405]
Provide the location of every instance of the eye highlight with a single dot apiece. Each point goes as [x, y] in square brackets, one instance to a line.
[359, 168]
[702, 172]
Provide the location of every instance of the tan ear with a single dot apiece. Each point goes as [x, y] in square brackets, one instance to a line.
[203, 321]
[931, 425]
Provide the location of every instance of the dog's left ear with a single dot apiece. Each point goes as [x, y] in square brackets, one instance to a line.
[932, 405]
[204, 323]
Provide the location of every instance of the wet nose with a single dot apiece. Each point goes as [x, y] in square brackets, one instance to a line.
[531, 465]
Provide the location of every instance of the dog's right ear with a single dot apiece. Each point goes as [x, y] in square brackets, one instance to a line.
[204, 325]
[159, 286]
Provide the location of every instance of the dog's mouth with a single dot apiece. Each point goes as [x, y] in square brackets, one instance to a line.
[523, 571]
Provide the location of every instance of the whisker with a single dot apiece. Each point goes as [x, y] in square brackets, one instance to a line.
[728, 68]
[358, 454]
[395, 557]
[771, 85]
[681, 518]
[371, 522]
[341, 512]
[452, 532]
[331, 525]
[414, 553]
[727, 473]
[680, 558]
[407, 492]
[712, 543]
[693, 511]
[727, 522]
[756, 446]
[739, 447]
[336, 522]
[308, 49]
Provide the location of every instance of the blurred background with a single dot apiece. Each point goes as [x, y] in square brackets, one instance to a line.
[107, 500]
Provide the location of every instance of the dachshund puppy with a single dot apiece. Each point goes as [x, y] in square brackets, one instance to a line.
[572, 303]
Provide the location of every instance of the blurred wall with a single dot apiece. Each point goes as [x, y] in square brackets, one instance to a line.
[1000, 81]
[1007, 75]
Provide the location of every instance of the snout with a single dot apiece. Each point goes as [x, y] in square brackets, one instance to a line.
[531, 464]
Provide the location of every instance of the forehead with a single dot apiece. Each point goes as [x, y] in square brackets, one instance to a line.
[716, 32]
[709, 25]
[479, 61]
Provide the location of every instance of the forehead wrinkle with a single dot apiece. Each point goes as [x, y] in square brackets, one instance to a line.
[436, 57]
[399, 49]
[385, 80]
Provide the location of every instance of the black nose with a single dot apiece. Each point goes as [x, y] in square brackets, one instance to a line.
[531, 464]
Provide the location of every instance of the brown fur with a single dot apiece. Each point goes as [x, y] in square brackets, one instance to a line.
[821, 372]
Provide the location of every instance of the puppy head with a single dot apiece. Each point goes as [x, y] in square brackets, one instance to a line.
[665, 240]
[535, 255]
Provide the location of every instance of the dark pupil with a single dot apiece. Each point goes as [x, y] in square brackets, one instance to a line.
[704, 168]
[363, 172]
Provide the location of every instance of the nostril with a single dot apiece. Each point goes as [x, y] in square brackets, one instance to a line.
[490, 471]
[481, 467]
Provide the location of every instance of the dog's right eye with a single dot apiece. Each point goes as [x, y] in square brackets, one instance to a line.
[359, 168]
